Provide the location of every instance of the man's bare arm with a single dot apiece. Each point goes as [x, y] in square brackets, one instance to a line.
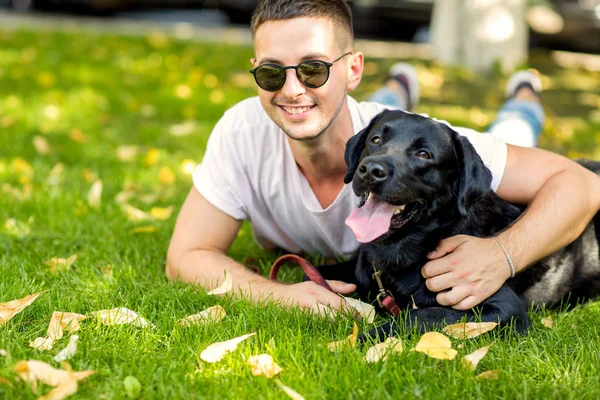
[198, 254]
[562, 196]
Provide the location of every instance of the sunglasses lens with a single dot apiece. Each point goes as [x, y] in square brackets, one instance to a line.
[313, 74]
[270, 77]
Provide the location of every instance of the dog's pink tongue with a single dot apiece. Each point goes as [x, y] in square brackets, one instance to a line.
[371, 220]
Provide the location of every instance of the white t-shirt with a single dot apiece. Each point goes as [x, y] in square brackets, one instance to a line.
[249, 172]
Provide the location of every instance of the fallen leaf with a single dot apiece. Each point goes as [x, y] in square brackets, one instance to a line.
[55, 176]
[41, 343]
[436, 345]
[77, 135]
[216, 351]
[469, 330]
[151, 157]
[63, 320]
[210, 315]
[69, 351]
[13, 307]
[4, 381]
[183, 129]
[548, 322]
[3, 353]
[263, 364]
[470, 361]
[132, 386]
[349, 342]
[381, 351]
[493, 374]
[135, 214]
[94, 197]
[326, 311]
[289, 391]
[124, 196]
[161, 213]
[58, 264]
[145, 229]
[121, 316]
[41, 145]
[88, 175]
[64, 381]
[127, 153]
[166, 176]
[365, 310]
[225, 287]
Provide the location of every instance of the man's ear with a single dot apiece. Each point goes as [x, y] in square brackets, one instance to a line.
[354, 148]
[474, 179]
[355, 70]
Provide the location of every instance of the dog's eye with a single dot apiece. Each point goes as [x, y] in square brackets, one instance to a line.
[423, 154]
[375, 140]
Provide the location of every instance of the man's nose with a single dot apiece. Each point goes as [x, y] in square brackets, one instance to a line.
[373, 171]
[292, 86]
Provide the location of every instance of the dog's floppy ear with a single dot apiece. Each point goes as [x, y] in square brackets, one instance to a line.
[355, 147]
[474, 179]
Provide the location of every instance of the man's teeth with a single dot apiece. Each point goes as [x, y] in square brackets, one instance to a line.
[296, 110]
[399, 209]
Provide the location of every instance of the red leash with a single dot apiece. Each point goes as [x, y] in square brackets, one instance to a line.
[384, 298]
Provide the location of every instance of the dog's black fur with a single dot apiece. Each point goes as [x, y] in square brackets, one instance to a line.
[447, 192]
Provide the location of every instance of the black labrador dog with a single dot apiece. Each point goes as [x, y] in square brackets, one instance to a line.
[420, 182]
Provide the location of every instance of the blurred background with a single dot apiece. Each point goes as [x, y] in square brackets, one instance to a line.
[556, 24]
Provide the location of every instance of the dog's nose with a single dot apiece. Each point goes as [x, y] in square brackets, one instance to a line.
[374, 171]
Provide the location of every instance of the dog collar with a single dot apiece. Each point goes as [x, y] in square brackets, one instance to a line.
[384, 297]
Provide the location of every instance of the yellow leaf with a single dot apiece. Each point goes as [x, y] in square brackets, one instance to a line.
[46, 79]
[263, 364]
[470, 361]
[22, 167]
[63, 381]
[183, 129]
[225, 287]
[127, 153]
[5, 381]
[3, 353]
[166, 176]
[350, 341]
[151, 157]
[69, 351]
[145, 229]
[94, 197]
[63, 321]
[493, 374]
[548, 322]
[60, 264]
[161, 213]
[289, 391]
[77, 136]
[88, 175]
[13, 307]
[41, 145]
[55, 176]
[135, 214]
[211, 315]
[436, 345]
[217, 96]
[468, 330]
[216, 351]
[381, 351]
[121, 316]
[211, 81]
[365, 310]
[41, 343]
[183, 91]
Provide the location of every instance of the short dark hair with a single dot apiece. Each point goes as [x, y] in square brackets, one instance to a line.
[337, 10]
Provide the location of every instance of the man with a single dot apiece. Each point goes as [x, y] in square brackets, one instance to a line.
[278, 161]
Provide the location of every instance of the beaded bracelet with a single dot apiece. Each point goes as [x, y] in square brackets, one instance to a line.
[510, 263]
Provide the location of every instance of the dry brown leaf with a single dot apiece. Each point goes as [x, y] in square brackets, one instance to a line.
[263, 364]
[42, 343]
[469, 330]
[381, 351]
[94, 197]
[470, 361]
[493, 374]
[13, 307]
[225, 287]
[63, 320]
[548, 322]
[343, 344]
[216, 351]
[69, 351]
[436, 345]
[289, 391]
[161, 213]
[58, 264]
[124, 196]
[63, 381]
[365, 310]
[121, 316]
[211, 315]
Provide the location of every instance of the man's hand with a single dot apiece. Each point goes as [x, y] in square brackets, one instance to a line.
[313, 297]
[472, 268]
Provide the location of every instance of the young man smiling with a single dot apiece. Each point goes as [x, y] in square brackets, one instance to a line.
[278, 161]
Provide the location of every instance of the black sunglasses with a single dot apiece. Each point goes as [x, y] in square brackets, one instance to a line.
[312, 74]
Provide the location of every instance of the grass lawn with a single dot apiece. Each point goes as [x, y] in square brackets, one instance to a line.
[135, 113]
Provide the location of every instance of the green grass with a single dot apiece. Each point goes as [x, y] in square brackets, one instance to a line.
[123, 91]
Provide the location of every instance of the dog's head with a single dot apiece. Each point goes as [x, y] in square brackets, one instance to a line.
[408, 169]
